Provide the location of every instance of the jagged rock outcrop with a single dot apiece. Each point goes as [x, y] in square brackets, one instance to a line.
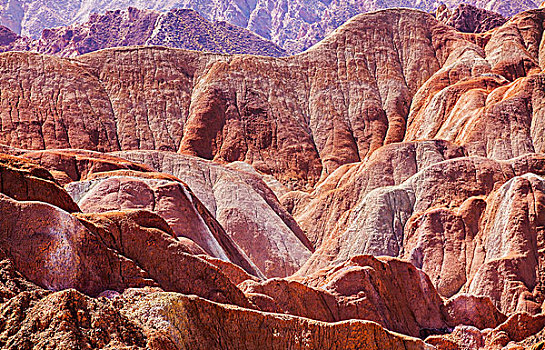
[151, 319]
[469, 19]
[66, 320]
[179, 28]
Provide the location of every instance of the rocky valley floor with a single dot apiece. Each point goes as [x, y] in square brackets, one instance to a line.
[383, 190]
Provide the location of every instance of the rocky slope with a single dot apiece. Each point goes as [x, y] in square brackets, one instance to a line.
[179, 28]
[268, 112]
[390, 179]
[136, 252]
[293, 25]
[469, 19]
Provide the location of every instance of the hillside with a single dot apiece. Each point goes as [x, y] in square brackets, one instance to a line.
[293, 25]
[384, 189]
[178, 28]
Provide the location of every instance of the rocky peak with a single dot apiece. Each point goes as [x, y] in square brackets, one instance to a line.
[469, 19]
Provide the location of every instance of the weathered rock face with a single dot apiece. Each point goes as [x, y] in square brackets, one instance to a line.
[244, 206]
[472, 224]
[459, 220]
[469, 19]
[512, 242]
[122, 247]
[86, 120]
[170, 199]
[97, 252]
[512, 334]
[268, 112]
[151, 319]
[236, 327]
[25, 181]
[320, 211]
[179, 28]
[388, 291]
[473, 101]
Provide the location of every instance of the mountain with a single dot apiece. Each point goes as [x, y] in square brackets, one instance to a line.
[469, 19]
[384, 189]
[180, 28]
[294, 25]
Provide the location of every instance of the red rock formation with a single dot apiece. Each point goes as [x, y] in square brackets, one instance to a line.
[268, 112]
[75, 165]
[452, 220]
[25, 181]
[465, 214]
[233, 327]
[244, 206]
[283, 134]
[97, 252]
[319, 212]
[508, 335]
[388, 291]
[489, 99]
[170, 199]
[391, 292]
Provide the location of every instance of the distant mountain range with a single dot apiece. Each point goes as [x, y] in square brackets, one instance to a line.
[294, 25]
[178, 28]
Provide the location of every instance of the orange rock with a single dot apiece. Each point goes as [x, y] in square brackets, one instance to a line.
[26, 181]
[147, 240]
[76, 165]
[191, 322]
